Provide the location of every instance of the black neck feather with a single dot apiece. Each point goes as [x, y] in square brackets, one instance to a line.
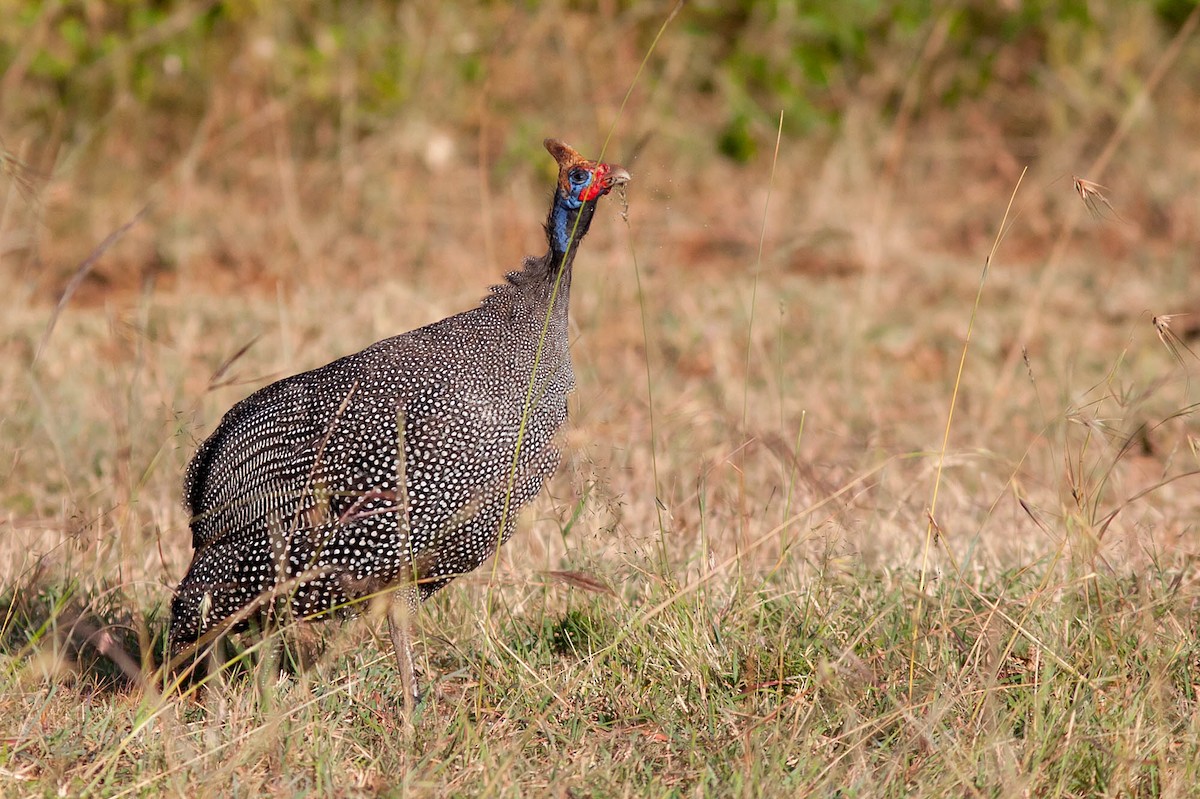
[566, 225]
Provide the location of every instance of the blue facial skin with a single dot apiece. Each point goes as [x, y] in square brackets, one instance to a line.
[579, 180]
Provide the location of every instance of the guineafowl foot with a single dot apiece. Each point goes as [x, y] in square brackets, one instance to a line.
[400, 613]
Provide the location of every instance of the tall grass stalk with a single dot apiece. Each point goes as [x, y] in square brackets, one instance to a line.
[931, 528]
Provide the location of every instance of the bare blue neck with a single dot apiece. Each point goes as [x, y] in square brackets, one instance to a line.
[568, 223]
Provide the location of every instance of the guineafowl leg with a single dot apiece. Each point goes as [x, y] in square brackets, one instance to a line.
[401, 608]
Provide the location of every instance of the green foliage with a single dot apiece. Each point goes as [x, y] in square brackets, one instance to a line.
[736, 142]
[811, 59]
[167, 57]
[807, 59]
[1174, 13]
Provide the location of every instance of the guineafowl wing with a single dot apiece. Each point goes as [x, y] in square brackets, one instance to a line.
[257, 465]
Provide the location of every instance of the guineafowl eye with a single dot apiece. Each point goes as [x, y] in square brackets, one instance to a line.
[393, 470]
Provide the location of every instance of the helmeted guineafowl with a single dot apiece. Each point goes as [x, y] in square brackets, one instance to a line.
[399, 467]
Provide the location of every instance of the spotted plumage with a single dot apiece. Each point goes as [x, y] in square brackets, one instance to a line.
[403, 464]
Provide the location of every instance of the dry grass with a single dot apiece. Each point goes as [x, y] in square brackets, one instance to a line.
[762, 522]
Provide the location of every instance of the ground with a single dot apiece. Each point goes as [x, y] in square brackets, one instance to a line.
[880, 478]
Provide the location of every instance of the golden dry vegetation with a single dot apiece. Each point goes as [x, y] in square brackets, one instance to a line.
[894, 485]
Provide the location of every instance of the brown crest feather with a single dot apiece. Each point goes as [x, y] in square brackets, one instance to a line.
[567, 157]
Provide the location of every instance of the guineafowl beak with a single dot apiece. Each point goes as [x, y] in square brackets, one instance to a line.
[605, 178]
[617, 176]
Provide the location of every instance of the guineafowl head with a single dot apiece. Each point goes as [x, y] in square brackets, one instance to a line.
[580, 184]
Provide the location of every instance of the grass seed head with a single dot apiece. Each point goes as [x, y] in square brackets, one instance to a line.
[1093, 197]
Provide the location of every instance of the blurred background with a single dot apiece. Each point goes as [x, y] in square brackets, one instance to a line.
[377, 127]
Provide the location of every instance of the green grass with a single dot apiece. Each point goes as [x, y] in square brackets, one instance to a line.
[762, 523]
[1025, 684]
